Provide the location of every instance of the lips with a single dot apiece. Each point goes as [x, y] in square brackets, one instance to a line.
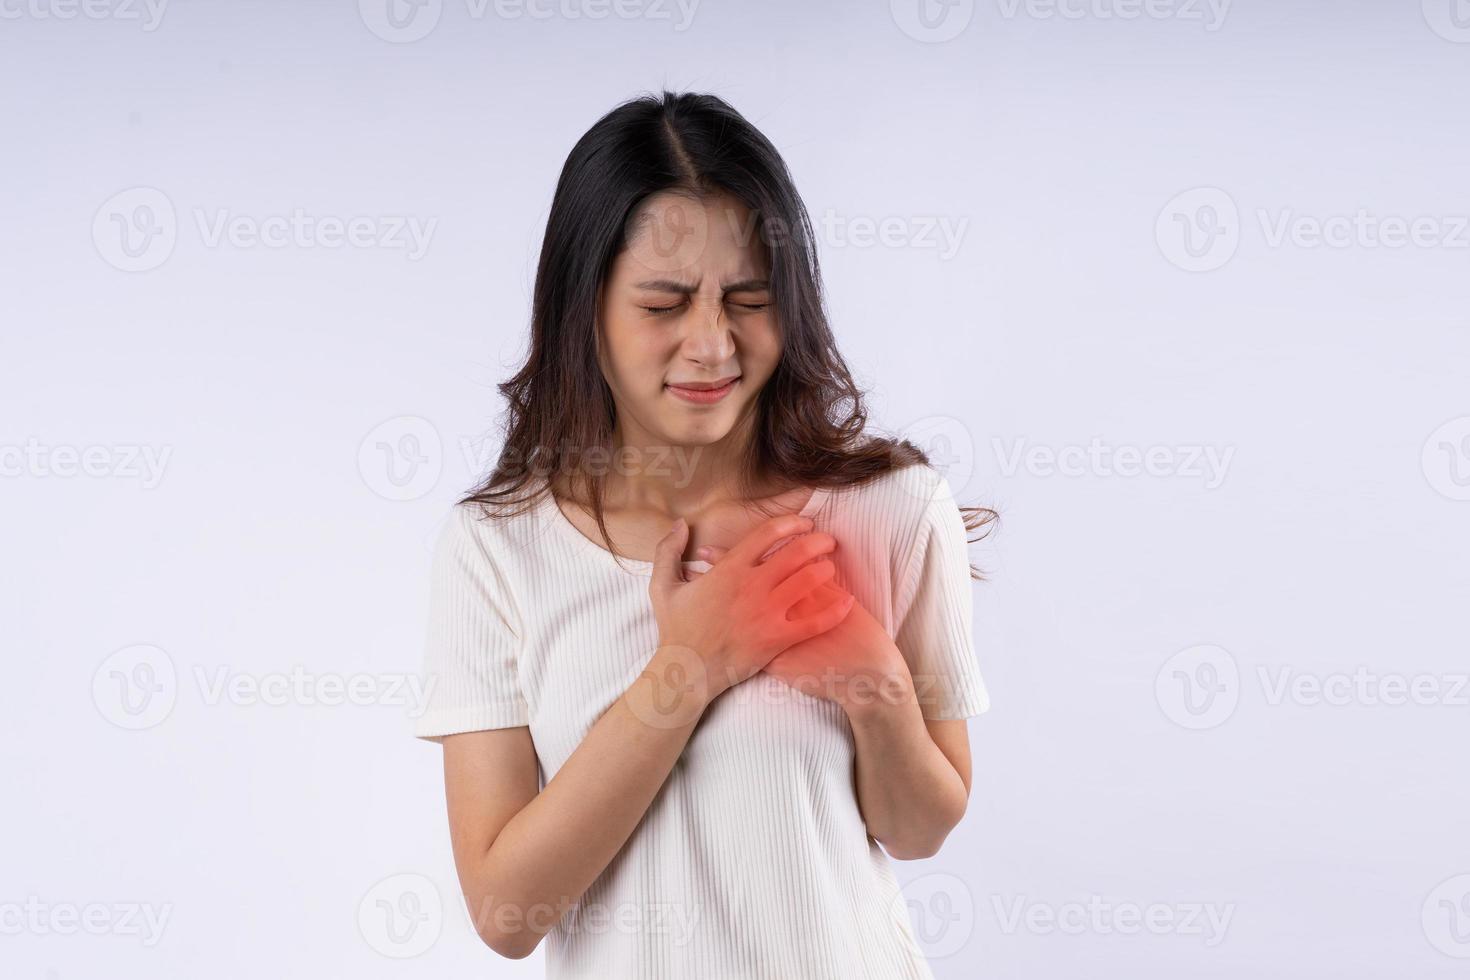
[702, 392]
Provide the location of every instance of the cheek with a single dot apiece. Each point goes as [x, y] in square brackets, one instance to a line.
[634, 356]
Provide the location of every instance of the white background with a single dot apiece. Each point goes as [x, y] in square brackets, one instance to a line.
[1069, 311]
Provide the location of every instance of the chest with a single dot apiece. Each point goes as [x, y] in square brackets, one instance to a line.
[636, 532]
[590, 644]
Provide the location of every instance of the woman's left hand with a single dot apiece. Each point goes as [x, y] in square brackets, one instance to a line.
[853, 664]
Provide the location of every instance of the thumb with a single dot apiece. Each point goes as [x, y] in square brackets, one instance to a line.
[667, 568]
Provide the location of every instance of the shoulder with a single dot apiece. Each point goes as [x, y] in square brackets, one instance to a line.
[478, 534]
[902, 498]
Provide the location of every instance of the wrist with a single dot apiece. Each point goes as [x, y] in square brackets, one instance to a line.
[673, 689]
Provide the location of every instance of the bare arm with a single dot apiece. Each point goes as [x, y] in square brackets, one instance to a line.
[912, 775]
[525, 857]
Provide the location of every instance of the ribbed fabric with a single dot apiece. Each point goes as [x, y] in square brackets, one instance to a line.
[753, 860]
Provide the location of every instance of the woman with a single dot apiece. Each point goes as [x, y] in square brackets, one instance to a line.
[685, 768]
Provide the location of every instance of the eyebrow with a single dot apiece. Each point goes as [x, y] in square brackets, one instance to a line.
[670, 286]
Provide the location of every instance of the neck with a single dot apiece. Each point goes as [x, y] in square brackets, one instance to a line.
[646, 472]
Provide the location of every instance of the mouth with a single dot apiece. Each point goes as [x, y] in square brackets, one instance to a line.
[703, 392]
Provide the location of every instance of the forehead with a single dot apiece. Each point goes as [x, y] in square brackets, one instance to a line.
[675, 235]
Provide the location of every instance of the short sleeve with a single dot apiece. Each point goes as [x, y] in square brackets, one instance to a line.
[470, 658]
[934, 610]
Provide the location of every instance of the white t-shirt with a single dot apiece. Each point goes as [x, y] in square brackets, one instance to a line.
[753, 859]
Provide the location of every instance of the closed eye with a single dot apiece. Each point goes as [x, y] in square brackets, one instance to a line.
[661, 310]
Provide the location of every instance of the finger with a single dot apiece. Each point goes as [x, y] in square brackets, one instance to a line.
[796, 554]
[711, 553]
[667, 568]
[801, 584]
[759, 540]
[820, 621]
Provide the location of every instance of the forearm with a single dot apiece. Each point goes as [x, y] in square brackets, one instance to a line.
[549, 853]
[909, 793]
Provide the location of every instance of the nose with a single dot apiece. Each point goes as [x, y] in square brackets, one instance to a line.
[708, 341]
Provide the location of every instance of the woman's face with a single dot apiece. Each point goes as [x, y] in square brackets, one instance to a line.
[688, 335]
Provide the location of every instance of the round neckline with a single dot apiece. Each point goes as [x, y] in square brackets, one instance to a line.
[812, 505]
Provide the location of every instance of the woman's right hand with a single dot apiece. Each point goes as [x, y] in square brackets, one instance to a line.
[733, 618]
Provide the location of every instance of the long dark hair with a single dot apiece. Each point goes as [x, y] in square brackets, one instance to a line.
[809, 424]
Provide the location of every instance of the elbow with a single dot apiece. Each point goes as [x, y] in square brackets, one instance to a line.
[504, 927]
[920, 843]
[912, 850]
[511, 945]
